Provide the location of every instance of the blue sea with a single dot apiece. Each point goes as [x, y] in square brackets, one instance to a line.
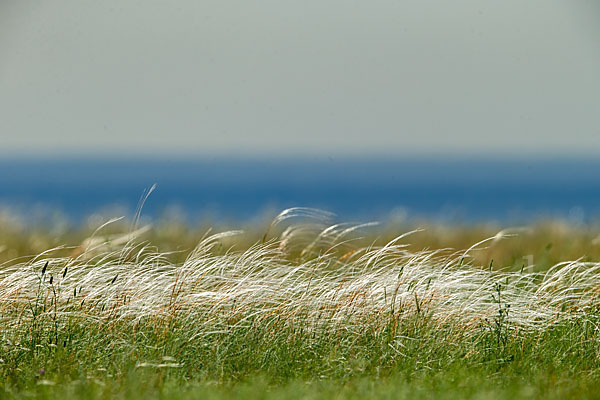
[456, 190]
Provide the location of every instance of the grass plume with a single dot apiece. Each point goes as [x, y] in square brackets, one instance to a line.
[302, 301]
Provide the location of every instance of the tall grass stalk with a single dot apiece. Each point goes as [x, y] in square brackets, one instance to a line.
[307, 274]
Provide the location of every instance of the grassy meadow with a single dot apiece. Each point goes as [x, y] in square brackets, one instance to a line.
[300, 308]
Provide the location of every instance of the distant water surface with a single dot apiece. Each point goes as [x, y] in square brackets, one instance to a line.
[457, 190]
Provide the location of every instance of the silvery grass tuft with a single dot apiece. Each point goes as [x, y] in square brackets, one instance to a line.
[304, 271]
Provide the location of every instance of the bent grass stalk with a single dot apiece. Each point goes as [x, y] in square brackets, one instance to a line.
[294, 279]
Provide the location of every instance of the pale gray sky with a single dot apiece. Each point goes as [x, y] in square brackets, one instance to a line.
[311, 76]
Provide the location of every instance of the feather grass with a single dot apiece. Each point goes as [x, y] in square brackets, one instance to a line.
[292, 275]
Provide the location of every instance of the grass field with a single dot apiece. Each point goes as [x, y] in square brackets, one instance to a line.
[300, 308]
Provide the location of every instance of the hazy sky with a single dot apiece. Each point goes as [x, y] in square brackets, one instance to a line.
[311, 76]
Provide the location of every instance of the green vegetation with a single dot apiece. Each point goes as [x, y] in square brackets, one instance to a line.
[298, 309]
